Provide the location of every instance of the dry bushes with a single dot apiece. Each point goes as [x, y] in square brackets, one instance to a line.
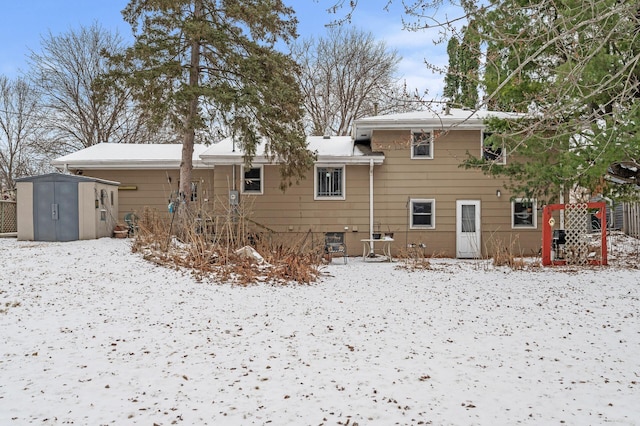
[209, 249]
[505, 254]
[414, 257]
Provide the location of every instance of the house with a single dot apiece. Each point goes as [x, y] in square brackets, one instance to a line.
[397, 173]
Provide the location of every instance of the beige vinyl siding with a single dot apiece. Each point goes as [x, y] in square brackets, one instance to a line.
[152, 188]
[296, 212]
[401, 178]
[295, 209]
[396, 181]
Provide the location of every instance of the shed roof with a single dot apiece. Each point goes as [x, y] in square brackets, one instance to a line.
[61, 177]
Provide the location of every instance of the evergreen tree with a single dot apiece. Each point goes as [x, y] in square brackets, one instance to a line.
[219, 54]
[572, 66]
[575, 71]
[461, 81]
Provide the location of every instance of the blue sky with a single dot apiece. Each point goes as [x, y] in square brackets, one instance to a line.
[24, 23]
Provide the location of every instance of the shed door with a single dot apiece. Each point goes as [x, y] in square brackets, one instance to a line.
[468, 229]
[55, 211]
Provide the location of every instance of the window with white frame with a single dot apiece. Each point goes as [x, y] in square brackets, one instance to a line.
[524, 213]
[493, 149]
[422, 145]
[194, 190]
[422, 213]
[329, 182]
[252, 180]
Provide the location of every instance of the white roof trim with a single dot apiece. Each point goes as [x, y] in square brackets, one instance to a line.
[336, 149]
[111, 156]
[456, 118]
[107, 156]
[125, 165]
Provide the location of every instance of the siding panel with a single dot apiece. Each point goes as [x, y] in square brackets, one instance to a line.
[396, 181]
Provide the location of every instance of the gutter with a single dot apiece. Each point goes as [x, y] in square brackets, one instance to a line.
[371, 205]
[324, 159]
[125, 165]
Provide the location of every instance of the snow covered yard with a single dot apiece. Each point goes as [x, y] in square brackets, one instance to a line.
[93, 334]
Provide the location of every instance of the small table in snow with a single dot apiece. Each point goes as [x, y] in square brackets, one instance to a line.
[369, 247]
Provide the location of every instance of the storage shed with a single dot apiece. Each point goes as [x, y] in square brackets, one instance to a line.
[60, 207]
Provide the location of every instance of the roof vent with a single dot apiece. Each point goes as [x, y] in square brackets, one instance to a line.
[327, 133]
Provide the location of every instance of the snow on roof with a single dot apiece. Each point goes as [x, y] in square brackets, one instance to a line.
[128, 156]
[462, 118]
[151, 156]
[334, 148]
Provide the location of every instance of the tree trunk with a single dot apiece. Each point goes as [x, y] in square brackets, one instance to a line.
[186, 165]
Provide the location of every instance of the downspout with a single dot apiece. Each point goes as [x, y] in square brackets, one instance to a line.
[233, 167]
[233, 177]
[371, 205]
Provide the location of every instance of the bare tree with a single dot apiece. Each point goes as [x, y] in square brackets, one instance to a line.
[574, 67]
[19, 131]
[346, 76]
[80, 112]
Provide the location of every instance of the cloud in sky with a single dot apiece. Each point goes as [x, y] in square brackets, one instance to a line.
[415, 47]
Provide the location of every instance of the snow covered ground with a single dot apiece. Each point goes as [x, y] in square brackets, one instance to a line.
[92, 334]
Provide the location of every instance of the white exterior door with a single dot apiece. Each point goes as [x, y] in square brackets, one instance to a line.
[468, 229]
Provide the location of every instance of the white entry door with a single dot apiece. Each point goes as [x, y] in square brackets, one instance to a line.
[468, 229]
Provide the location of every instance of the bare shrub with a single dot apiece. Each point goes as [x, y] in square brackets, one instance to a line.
[414, 257]
[507, 254]
[208, 247]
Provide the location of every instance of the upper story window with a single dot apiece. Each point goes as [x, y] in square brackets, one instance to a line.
[493, 150]
[422, 214]
[422, 145]
[252, 180]
[329, 182]
[524, 213]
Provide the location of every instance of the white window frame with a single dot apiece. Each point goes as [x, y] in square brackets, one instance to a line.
[242, 186]
[414, 135]
[316, 183]
[195, 186]
[534, 213]
[433, 213]
[502, 157]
